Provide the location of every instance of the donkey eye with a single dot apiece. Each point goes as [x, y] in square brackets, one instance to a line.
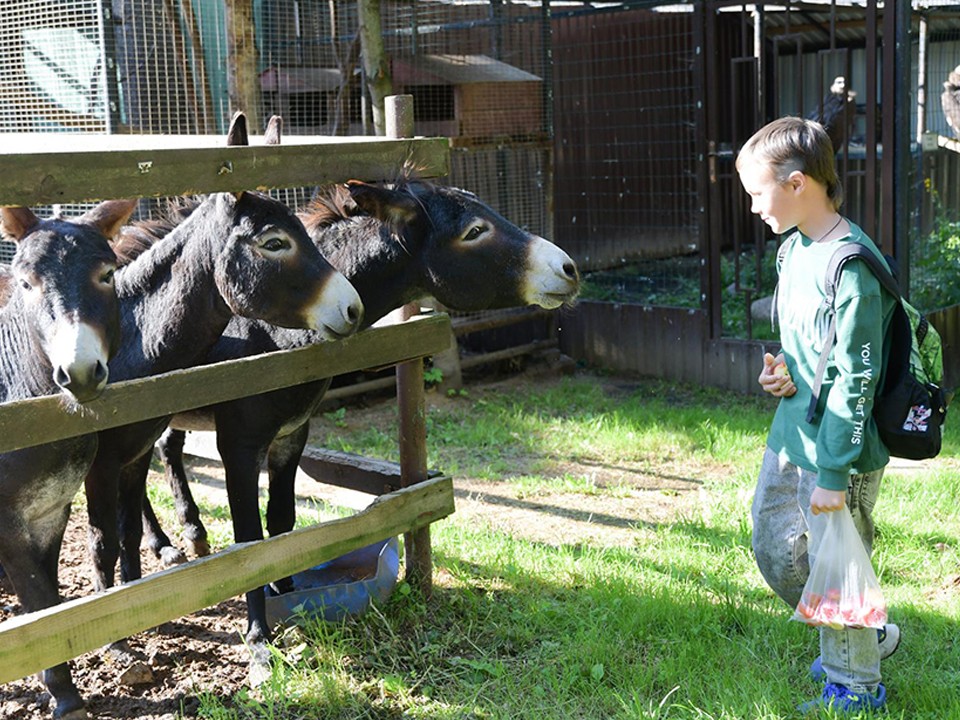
[474, 232]
[274, 243]
[107, 277]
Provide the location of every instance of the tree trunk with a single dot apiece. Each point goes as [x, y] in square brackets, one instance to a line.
[242, 78]
[375, 65]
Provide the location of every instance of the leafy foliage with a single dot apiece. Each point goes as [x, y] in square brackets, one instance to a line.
[935, 262]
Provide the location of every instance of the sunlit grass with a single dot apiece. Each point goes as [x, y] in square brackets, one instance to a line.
[678, 625]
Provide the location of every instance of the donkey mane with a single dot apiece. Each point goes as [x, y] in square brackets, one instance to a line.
[136, 238]
[17, 336]
[332, 204]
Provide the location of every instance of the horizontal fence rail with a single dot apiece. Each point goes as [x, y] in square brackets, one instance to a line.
[110, 166]
[43, 419]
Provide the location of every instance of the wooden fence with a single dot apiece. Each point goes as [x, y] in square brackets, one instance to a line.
[60, 169]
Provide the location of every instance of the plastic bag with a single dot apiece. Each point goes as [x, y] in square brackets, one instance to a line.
[842, 590]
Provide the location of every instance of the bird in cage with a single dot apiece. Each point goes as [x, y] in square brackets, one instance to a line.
[950, 100]
[837, 112]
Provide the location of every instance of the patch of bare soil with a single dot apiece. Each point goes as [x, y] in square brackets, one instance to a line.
[205, 650]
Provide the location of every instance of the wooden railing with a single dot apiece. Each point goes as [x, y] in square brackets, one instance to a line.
[73, 168]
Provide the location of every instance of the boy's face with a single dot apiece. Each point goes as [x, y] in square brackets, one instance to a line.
[776, 203]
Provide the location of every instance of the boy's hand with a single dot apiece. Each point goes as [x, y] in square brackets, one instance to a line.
[823, 500]
[774, 377]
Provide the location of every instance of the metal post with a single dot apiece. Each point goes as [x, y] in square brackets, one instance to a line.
[108, 67]
[398, 114]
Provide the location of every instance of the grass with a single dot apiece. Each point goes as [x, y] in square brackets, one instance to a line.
[679, 625]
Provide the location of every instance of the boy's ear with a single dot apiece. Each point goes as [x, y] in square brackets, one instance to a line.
[797, 179]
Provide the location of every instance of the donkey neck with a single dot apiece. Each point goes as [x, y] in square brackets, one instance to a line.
[24, 369]
[171, 311]
[385, 269]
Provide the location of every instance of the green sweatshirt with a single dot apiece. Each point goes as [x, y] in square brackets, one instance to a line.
[843, 438]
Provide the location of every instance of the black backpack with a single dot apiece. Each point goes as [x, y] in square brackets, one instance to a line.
[910, 408]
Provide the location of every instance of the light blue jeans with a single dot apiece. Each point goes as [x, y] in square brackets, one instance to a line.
[786, 536]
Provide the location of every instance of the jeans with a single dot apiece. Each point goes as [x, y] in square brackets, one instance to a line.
[786, 536]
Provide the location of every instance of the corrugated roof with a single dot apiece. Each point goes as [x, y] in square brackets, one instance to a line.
[458, 70]
[299, 79]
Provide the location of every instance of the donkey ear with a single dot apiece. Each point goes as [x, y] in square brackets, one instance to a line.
[274, 130]
[391, 206]
[237, 134]
[109, 216]
[17, 222]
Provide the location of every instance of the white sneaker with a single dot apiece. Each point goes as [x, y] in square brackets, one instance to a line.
[888, 637]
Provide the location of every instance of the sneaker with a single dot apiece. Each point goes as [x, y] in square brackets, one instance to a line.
[888, 638]
[842, 699]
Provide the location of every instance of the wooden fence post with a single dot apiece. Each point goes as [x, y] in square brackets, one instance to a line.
[410, 396]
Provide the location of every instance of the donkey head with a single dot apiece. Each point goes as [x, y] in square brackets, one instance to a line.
[473, 258]
[63, 274]
[269, 269]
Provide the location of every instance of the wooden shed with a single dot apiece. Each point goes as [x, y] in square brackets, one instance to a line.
[471, 97]
[309, 99]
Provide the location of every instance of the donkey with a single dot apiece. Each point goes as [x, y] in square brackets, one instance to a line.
[396, 244]
[59, 327]
[242, 255]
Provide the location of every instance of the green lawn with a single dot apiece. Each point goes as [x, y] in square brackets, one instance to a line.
[677, 625]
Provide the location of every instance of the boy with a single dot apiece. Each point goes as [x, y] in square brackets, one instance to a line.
[809, 468]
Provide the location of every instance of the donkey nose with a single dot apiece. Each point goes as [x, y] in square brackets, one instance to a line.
[570, 270]
[100, 374]
[355, 313]
[62, 378]
[83, 383]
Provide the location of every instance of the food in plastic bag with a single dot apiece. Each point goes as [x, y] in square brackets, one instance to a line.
[842, 590]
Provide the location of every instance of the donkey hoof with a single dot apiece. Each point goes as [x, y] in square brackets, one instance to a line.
[122, 654]
[77, 713]
[171, 556]
[260, 669]
[200, 547]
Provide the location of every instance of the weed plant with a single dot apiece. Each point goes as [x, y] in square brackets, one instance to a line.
[680, 625]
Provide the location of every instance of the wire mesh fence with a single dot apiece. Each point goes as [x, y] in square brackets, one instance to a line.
[577, 121]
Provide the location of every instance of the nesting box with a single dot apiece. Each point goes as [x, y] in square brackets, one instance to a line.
[471, 97]
[307, 98]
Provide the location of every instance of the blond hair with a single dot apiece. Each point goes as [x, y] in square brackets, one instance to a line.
[792, 143]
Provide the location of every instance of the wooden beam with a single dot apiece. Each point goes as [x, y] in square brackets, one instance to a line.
[61, 167]
[356, 472]
[29, 643]
[43, 419]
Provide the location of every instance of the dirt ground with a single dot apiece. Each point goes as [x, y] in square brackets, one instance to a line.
[206, 650]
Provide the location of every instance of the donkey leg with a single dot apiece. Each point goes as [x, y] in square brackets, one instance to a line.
[102, 487]
[157, 540]
[133, 488]
[170, 447]
[31, 565]
[283, 459]
[241, 464]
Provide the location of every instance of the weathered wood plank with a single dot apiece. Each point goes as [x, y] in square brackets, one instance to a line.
[32, 642]
[58, 168]
[349, 470]
[39, 420]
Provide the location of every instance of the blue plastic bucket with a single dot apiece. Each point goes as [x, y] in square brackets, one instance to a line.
[343, 586]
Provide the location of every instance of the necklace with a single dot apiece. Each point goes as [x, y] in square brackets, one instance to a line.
[823, 237]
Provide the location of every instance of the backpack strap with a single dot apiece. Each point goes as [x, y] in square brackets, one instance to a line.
[781, 254]
[840, 257]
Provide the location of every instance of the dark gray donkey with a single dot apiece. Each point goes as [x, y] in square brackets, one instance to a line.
[59, 327]
[396, 244]
[245, 255]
